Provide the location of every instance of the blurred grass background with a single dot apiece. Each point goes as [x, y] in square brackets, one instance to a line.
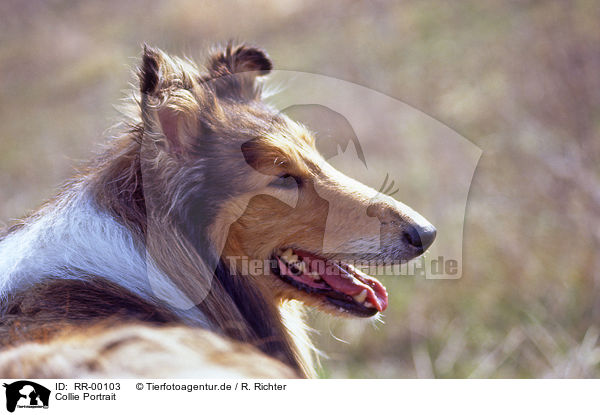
[520, 79]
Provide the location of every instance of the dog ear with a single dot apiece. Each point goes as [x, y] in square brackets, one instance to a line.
[169, 108]
[234, 70]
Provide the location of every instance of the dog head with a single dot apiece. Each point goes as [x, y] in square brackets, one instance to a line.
[245, 183]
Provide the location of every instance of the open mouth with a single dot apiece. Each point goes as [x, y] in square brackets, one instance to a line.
[343, 285]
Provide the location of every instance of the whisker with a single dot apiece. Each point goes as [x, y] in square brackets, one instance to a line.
[384, 183]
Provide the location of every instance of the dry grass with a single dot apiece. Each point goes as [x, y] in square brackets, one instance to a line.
[519, 79]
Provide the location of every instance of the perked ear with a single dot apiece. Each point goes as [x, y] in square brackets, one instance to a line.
[234, 70]
[169, 108]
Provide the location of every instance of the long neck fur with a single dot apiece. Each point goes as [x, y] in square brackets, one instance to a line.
[112, 186]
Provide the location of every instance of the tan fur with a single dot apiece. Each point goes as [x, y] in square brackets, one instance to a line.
[138, 351]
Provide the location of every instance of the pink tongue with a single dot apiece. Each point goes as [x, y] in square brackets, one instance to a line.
[341, 280]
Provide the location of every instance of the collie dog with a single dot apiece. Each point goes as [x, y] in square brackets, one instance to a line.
[166, 226]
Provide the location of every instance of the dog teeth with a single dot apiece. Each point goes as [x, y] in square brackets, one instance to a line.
[360, 298]
[289, 256]
[313, 276]
[368, 304]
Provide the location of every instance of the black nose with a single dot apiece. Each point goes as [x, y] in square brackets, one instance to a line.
[420, 237]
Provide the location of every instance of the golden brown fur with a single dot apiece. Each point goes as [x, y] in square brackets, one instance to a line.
[139, 351]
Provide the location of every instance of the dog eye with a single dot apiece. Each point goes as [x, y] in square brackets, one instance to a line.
[285, 181]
